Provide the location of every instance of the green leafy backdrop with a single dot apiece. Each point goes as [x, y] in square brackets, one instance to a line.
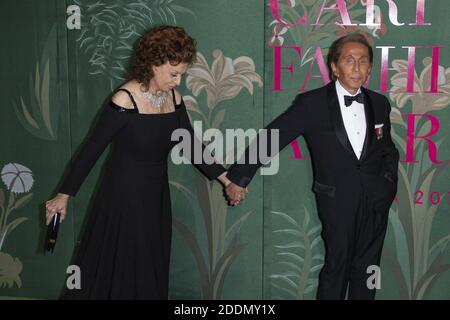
[55, 80]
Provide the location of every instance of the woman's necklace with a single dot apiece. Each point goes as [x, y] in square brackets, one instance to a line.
[157, 99]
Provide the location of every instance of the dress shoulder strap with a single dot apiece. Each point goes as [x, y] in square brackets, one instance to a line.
[131, 97]
[175, 100]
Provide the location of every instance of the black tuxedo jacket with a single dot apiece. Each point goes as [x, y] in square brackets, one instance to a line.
[339, 176]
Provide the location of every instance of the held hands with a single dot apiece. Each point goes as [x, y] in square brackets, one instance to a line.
[57, 204]
[235, 193]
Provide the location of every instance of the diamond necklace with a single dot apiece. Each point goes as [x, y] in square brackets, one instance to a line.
[157, 99]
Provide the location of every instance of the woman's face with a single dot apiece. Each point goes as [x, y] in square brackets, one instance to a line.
[167, 76]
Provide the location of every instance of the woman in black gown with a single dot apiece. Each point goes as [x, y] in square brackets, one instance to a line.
[125, 250]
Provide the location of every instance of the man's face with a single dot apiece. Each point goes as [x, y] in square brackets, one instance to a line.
[353, 66]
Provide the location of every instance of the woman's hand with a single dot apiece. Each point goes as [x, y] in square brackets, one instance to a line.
[235, 194]
[57, 204]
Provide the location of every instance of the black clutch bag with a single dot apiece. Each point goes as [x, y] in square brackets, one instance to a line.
[52, 233]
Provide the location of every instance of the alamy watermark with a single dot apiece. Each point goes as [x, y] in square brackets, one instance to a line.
[227, 149]
[73, 17]
[374, 280]
[74, 279]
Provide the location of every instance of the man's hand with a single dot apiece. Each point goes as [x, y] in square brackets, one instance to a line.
[235, 193]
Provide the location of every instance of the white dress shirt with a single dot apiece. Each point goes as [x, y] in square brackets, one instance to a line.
[354, 119]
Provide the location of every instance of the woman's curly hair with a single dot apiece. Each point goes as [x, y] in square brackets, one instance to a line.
[159, 45]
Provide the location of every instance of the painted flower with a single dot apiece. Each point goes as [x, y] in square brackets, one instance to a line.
[10, 269]
[191, 103]
[17, 178]
[277, 38]
[396, 117]
[421, 100]
[224, 80]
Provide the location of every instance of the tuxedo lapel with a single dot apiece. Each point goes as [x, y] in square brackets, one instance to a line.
[336, 118]
[370, 124]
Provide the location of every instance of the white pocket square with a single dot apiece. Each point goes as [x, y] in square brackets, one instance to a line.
[379, 125]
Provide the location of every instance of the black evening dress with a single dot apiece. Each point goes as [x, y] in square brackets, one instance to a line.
[124, 251]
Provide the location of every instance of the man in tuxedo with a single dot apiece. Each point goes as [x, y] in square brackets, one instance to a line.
[347, 130]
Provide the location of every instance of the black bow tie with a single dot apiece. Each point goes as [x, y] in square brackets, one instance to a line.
[349, 99]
